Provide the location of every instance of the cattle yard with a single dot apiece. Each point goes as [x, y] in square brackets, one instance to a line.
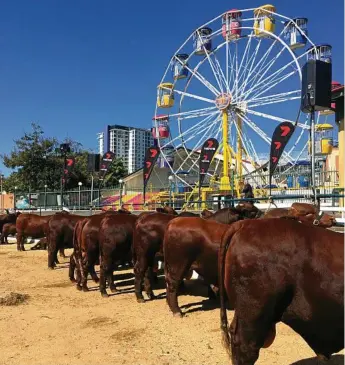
[57, 324]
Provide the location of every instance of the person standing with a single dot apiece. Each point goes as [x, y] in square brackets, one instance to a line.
[247, 191]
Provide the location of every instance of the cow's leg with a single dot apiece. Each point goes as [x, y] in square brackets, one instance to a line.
[62, 252]
[111, 279]
[93, 256]
[149, 278]
[20, 238]
[72, 267]
[102, 278]
[140, 269]
[78, 278]
[83, 272]
[52, 251]
[3, 238]
[106, 274]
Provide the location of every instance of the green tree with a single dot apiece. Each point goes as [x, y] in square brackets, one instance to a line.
[36, 163]
[115, 173]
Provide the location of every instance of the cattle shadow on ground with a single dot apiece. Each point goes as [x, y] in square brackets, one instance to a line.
[122, 291]
[335, 360]
[202, 306]
[124, 276]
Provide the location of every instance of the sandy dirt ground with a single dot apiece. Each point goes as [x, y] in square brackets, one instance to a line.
[59, 325]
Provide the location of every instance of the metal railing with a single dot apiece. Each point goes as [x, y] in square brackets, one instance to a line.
[179, 196]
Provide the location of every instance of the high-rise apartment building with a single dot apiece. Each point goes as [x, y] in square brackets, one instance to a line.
[128, 143]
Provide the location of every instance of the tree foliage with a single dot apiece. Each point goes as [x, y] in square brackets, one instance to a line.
[35, 163]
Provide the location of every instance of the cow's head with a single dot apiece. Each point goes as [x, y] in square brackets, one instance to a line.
[206, 213]
[325, 221]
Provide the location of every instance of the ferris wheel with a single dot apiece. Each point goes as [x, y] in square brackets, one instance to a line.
[235, 78]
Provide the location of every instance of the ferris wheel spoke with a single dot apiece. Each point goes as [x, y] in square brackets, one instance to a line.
[210, 63]
[201, 78]
[261, 133]
[245, 58]
[273, 99]
[250, 69]
[198, 126]
[234, 90]
[183, 93]
[212, 132]
[271, 78]
[221, 73]
[232, 68]
[264, 89]
[206, 132]
[259, 66]
[261, 63]
[195, 113]
[275, 118]
[300, 135]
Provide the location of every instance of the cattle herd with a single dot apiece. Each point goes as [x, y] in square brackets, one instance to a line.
[278, 266]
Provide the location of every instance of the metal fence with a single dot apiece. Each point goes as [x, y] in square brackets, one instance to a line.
[285, 188]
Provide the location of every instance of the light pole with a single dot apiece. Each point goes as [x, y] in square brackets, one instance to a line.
[121, 182]
[45, 196]
[79, 186]
[15, 198]
[171, 179]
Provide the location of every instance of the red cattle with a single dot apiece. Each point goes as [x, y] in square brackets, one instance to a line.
[166, 209]
[225, 216]
[86, 248]
[190, 243]
[7, 218]
[147, 243]
[303, 208]
[115, 246]
[279, 270]
[31, 225]
[61, 227]
[73, 258]
[42, 245]
[324, 221]
[8, 229]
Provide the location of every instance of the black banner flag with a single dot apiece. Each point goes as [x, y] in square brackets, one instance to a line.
[69, 164]
[208, 150]
[280, 138]
[107, 159]
[151, 157]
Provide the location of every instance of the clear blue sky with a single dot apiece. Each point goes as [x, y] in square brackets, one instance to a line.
[75, 66]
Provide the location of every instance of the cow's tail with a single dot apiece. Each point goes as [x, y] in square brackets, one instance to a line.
[226, 239]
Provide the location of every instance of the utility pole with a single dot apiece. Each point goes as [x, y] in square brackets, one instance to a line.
[64, 149]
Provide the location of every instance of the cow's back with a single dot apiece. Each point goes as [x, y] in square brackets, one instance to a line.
[302, 267]
[32, 225]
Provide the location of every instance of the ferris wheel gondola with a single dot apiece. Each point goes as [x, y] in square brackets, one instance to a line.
[235, 78]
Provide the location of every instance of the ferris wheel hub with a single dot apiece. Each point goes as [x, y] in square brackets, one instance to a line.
[223, 101]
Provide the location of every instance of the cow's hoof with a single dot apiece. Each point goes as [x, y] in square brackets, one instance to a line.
[78, 287]
[113, 290]
[72, 280]
[105, 295]
[151, 296]
[96, 280]
[140, 300]
[178, 315]
[85, 289]
[50, 267]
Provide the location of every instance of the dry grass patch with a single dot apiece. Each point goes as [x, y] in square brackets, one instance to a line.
[12, 299]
